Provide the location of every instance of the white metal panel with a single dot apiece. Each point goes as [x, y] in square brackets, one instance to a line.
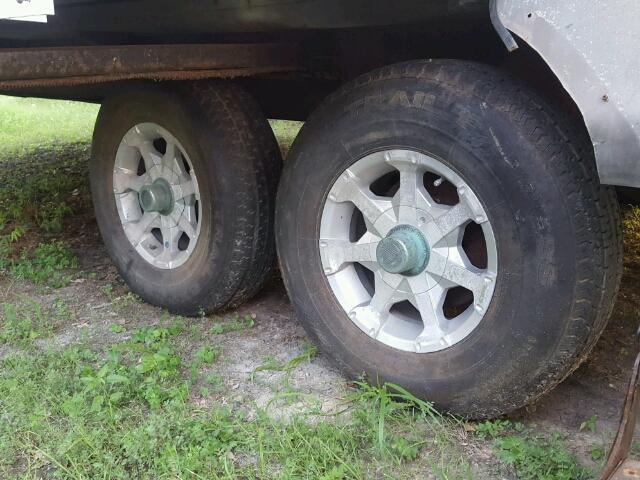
[26, 10]
[592, 46]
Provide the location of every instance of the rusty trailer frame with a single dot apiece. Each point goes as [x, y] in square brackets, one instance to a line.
[72, 66]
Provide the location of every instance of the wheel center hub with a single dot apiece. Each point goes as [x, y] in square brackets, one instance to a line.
[404, 250]
[157, 197]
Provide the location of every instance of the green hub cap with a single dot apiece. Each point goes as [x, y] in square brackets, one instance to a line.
[157, 197]
[404, 250]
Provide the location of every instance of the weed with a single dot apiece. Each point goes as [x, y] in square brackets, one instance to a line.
[207, 354]
[151, 336]
[589, 424]
[597, 453]
[539, 459]
[236, 324]
[492, 428]
[126, 300]
[22, 324]
[45, 264]
[632, 230]
[107, 289]
[115, 328]
[270, 364]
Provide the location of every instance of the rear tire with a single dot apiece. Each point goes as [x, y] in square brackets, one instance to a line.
[557, 232]
[225, 143]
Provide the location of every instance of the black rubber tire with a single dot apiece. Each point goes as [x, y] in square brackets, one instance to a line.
[237, 161]
[557, 229]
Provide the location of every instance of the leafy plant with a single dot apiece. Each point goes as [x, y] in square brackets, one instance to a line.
[236, 324]
[589, 424]
[632, 230]
[492, 428]
[539, 459]
[22, 325]
[45, 263]
[270, 364]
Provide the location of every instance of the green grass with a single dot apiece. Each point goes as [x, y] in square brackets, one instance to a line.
[531, 456]
[23, 323]
[286, 132]
[27, 122]
[45, 264]
[125, 413]
[632, 230]
[235, 324]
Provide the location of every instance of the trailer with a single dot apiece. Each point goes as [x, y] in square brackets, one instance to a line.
[447, 218]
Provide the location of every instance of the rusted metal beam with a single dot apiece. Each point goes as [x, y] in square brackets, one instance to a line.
[35, 67]
[618, 467]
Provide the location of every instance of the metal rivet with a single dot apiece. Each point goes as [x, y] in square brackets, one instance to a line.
[479, 309]
[479, 219]
[438, 182]
[387, 157]
[323, 244]
[332, 197]
[462, 190]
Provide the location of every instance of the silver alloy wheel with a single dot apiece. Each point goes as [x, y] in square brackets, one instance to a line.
[157, 196]
[414, 273]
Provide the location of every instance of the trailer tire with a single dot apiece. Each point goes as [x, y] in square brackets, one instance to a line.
[530, 178]
[227, 149]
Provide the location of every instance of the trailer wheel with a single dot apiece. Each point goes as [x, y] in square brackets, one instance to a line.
[442, 229]
[184, 185]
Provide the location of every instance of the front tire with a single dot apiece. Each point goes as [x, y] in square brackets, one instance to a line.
[183, 185]
[487, 153]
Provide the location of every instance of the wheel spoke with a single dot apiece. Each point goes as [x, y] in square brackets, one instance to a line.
[125, 180]
[170, 237]
[139, 230]
[150, 155]
[377, 211]
[431, 317]
[465, 276]
[186, 189]
[372, 317]
[187, 222]
[411, 195]
[169, 158]
[386, 295]
[453, 219]
[418, 283]
[410, 180]
[336, 253]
